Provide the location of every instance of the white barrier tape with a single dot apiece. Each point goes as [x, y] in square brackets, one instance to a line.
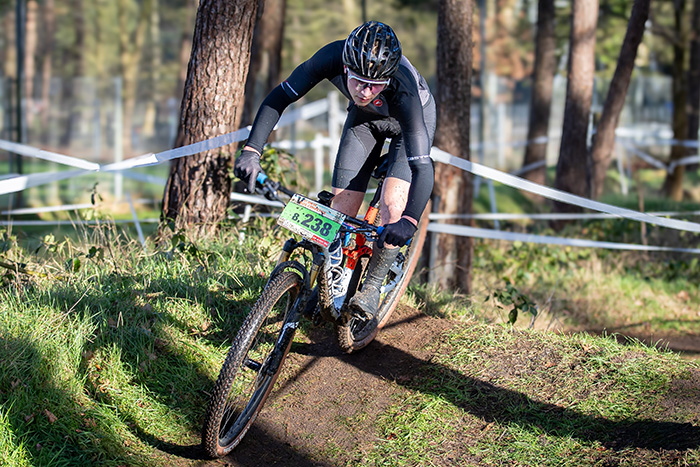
[23, 182]
[190, 149]
[65, 207]
[465, 231]
[644, 139]
[548, 216]
[630, 146]
[641, 154]
[684, 161]
[529, 167]
[254, 199]
[20, 183]
[558, 195]
[71, 223]
[29, 151]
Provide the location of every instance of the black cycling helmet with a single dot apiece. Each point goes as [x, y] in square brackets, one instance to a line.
[372, 50]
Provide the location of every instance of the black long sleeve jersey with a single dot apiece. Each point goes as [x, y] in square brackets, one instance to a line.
[403, 100]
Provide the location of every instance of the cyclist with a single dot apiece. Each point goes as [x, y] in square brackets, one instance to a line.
[388, 98]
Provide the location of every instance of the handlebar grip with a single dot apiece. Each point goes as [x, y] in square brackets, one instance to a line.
[261, 178]
[380, 229]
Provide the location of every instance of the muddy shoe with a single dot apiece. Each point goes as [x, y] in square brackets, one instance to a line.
[365, 302]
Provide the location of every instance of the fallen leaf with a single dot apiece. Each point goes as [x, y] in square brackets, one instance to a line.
[52, 418]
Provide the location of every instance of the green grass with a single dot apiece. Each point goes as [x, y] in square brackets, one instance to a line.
[498, 396]
[99, 362]
[108, 350]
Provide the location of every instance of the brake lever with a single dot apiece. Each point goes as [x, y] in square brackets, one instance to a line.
[267, 187]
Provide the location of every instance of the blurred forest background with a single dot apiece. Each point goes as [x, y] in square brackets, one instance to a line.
[83, 57]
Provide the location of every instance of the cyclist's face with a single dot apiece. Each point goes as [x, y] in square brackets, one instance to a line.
[364, 90]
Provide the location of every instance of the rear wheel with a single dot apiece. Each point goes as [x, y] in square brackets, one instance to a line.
[358, 333]
[251, 366]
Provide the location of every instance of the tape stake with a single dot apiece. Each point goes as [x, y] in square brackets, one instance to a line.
[136, 221]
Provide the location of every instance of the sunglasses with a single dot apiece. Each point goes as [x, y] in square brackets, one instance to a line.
[360, 83]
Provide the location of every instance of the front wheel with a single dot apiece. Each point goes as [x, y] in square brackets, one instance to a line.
[251, 366]
[357, 333]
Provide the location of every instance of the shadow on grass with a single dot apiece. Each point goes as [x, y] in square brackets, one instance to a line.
[493, 403]
[165, 373]
[55, 426]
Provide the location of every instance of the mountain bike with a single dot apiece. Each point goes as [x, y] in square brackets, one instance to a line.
[298, 287]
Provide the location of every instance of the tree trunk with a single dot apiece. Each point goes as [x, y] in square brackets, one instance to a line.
[453, 192]
[572, 168]
[47, 48]
[257, 51]
[266, 50]
[76, 64]
[130, 50]
[541, 100]
[673, 185]
[185, 51]
[694, 83]
[351, 17]
[30, 50]
[198, 190]
[8, 54]
[155, 62]
[604, 139]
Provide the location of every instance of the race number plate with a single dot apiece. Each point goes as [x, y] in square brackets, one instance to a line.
[313, 221]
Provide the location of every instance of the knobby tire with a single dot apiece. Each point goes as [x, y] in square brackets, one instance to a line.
[245, 382]
[356, 334]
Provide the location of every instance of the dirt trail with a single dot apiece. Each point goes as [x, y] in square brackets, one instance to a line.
[325, 395]
[324, 406]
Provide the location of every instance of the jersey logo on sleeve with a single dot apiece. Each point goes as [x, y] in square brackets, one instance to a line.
[285, 84]
[417, 158]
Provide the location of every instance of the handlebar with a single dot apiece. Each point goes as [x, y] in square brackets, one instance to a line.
[270, 189]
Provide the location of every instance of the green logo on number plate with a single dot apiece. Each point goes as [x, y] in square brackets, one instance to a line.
[311, 220]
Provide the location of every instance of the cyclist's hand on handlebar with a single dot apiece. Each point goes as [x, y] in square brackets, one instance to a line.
[247, 167]
[398, 233]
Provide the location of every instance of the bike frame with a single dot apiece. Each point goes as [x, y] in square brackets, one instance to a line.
[321, 258]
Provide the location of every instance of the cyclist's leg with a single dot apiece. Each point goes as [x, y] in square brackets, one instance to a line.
[358, 154]
[393, 203]
[398, 181]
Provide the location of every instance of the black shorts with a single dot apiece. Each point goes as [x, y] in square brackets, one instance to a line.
[361, 144]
